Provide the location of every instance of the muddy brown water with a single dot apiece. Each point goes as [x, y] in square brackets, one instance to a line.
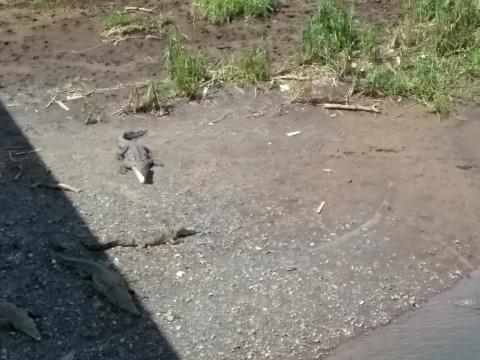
[446, 328]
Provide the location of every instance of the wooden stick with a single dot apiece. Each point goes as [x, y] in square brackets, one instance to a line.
[74, 97]
[220, 118]
[19, 173]
[320, 207]
[62, 105]
[293, 133]
[86, 50]
[291, 77]
[58, 186]
[148, 37]
[118, 112]
[136, 8]
[51, 102]
[28, 152]
[372, 108]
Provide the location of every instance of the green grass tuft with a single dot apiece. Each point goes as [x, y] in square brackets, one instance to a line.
[428, 78]
[152, 100]
[329, 36]
[220, 11]
[160, 20]
[369, 44]
[117, 18]
[444, 25]
[187, 71]
[438, 45]
[382, 80]
[248, 69]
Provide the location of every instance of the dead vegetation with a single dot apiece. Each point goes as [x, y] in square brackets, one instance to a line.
[134, 21]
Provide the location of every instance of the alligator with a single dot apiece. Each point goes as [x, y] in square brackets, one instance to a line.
[106, 281]
[171, 236]
[135, 156]
[19, 319]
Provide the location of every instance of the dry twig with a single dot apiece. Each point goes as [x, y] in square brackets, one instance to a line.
[51, 101]
[136, 8]
[220, 118]
[19, 173]
[153, 37]
[320, 207]
[28, 152]
[86, 50]
[58, 186]
[62, 105]
[291, 77]
[372, 108]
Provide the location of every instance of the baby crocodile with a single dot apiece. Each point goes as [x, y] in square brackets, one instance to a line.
[106, 281]
[19, 319]
[170, 236]
[135, 156]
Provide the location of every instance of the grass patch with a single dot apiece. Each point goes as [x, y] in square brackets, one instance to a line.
[220, 11]
[122, 19]
[151, 100]
[425, 78]
[329, 37]
[247, 69]
[120, 25]
[442, 25]
[187, 71]
[114, 19]
[437, 50]
[160, 20]
[368, 44]
[434, 59]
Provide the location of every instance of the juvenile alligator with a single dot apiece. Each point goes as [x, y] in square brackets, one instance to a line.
[19, 319]
[106, 281]
[135, 156]
[169, 236]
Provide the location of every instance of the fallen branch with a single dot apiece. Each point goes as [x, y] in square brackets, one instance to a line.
[136, 8]
[372, 108]
[58, 186]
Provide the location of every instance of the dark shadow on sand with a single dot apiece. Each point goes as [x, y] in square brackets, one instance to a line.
[67, 310]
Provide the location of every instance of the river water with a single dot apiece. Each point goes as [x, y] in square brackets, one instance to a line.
[446, 328]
